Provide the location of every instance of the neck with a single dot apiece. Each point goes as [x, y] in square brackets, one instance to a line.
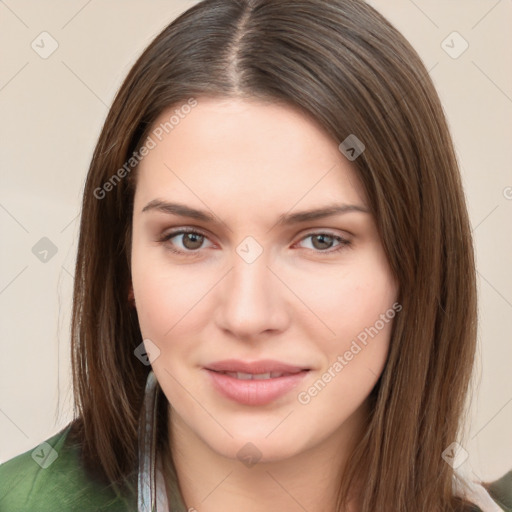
[308, 480]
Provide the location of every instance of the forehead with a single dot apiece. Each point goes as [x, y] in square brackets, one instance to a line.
[231, 148]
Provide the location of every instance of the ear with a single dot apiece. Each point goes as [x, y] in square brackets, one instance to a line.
[131, 296]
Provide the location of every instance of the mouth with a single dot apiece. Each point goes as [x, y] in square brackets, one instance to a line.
[257, 376]
[256, 383]
[261, 367]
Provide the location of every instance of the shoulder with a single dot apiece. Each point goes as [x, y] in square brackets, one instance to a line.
[51, 477]
[487, 496]
[501, 491]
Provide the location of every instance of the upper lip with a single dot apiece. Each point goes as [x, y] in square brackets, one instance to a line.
[254, 367]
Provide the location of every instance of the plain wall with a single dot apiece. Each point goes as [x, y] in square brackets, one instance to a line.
[52, 110]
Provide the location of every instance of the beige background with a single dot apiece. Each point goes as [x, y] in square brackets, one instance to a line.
[51, 111]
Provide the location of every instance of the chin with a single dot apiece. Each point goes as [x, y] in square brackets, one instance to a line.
[251, 450]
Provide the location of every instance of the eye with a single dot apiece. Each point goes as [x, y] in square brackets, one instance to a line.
[191, 240]
[322, 242]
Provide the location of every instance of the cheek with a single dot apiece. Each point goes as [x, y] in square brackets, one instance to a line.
[356, 312]
[350, 301]
[362, 322]
[361, 312]
[168, 297]
[165, 308]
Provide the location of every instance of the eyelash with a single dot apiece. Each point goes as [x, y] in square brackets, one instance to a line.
[343, 242]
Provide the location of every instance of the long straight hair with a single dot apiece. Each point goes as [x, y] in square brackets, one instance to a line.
[347, 68]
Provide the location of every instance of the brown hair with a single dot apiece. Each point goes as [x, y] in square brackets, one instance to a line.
[348, 68]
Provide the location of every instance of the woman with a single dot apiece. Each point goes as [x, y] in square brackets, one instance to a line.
[274, 304]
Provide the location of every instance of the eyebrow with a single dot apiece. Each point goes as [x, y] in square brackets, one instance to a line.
[284, 219]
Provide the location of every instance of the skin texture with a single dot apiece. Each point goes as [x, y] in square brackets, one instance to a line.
[248, 162]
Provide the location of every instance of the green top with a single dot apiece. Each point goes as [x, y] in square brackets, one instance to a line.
[50, 478]
[501, 491]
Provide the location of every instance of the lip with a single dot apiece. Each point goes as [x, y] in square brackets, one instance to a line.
[261, 366]
[254, 392]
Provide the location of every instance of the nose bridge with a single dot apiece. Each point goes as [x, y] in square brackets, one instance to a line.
[250, 304]
[250, 279]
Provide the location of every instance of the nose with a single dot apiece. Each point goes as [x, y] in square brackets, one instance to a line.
[251, 300]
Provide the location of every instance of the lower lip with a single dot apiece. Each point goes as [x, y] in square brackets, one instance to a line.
[254, 392]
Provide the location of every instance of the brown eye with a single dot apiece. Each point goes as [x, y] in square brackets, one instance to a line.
[325, 242]
[322, 241]
[191, 241]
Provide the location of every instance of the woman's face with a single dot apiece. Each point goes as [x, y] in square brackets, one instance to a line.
[308, 298]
